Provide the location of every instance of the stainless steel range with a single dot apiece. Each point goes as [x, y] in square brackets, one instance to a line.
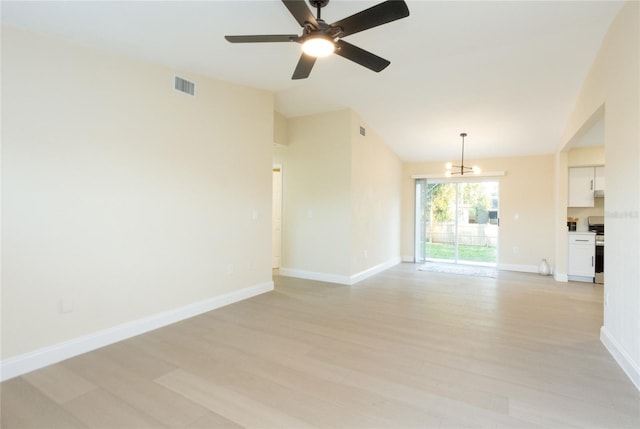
[596, 224]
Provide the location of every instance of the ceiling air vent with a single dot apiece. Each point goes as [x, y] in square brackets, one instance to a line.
[184, 85]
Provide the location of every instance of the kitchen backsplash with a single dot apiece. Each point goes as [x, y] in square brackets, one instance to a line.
[582, 213]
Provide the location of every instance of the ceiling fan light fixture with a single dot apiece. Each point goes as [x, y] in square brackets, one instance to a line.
[318, 46]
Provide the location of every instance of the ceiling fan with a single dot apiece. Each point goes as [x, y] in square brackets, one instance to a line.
[320, 39]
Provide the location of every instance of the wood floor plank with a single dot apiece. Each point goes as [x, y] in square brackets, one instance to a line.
[59, 383]
[227, 403]
[24, 406]
[112, 374]
[308, 393]
[212, 420]
[101, 409]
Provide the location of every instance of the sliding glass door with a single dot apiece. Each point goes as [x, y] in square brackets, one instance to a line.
[457, 222]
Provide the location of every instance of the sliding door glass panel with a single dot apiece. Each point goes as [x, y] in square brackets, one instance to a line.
[441, 228]
[456, 222]
[477, 234]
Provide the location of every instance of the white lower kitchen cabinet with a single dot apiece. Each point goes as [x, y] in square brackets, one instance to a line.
[582, 256]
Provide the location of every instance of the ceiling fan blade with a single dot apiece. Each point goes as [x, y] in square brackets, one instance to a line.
[301, 12]
[360, 56]
[303, 69]
[263, 38]
[379, 14]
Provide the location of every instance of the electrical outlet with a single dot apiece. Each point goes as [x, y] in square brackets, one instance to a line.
[229, 269]
[516, 249]
[366, 253]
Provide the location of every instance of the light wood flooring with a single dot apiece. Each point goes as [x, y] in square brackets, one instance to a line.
[403, 349]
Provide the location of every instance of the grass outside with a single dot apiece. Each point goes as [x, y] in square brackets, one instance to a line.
[465, 253]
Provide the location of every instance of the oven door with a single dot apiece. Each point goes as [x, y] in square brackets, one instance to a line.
[599, 263]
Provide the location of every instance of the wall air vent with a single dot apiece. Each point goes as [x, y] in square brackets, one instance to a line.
[363, 132]
[183, 85]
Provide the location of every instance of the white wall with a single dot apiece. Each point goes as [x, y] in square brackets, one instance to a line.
[526, 208]
[316, 211]
[341, 199]
[613, 86]
[376, 187]
[280, 136]
[120, 196]
[586, 156]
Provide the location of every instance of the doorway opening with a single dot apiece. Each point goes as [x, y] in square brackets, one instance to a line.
[457, 222]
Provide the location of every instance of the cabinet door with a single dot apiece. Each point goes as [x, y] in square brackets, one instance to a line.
[582, 260]
[581, 186]
[599, 184]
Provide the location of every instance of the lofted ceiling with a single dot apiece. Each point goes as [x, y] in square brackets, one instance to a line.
[508, 73]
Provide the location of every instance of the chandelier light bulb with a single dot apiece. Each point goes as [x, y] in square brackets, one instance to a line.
[448, 165]
[476, 169]
[318, 47]
[447, 174]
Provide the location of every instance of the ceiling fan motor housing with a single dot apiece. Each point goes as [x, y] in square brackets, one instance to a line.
[318, 3]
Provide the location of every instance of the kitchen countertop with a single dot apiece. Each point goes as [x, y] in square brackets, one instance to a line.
[582, 233]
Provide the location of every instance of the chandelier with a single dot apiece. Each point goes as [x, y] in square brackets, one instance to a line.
[461, 169]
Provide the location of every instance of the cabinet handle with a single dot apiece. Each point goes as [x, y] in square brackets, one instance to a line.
[581, 240]
[592, 261]
[592, 184]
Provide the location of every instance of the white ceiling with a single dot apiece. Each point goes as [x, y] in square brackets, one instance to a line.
[506, 72]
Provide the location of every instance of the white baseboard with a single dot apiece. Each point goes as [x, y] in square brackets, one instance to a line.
[580, 279]
[27, 362]
[375, 270]
[561, 277]
[408, 258]
[339, 279]
[621, 356]
[520, 268]
[311, 275]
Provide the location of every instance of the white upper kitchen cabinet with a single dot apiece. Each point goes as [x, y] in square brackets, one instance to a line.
[599, 179]
[581, 186]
